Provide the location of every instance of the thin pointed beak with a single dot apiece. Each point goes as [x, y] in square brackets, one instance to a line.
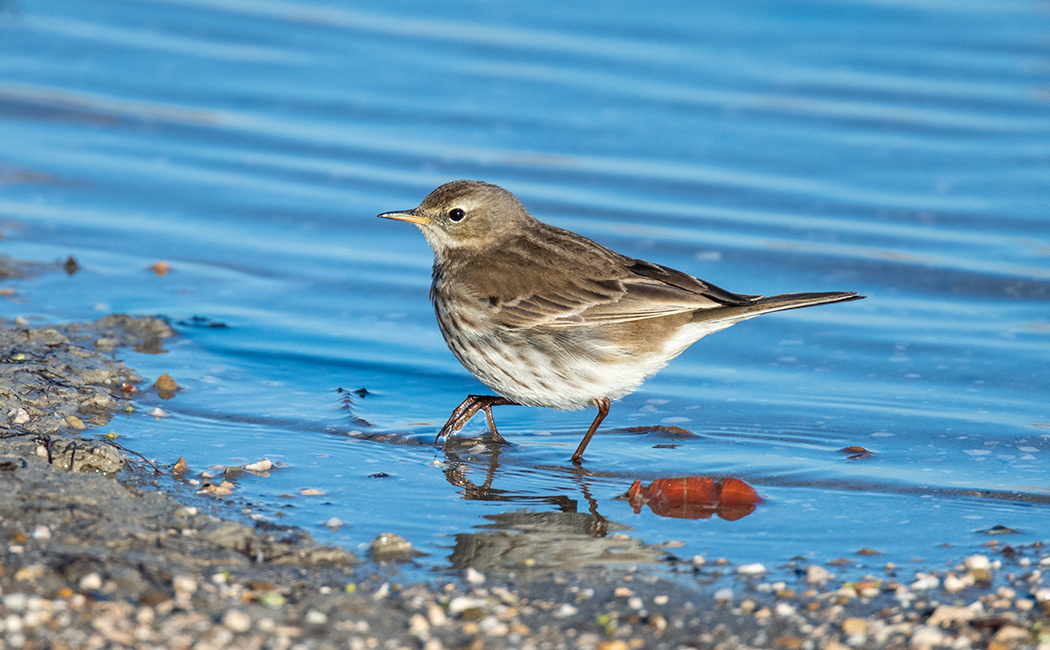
[406, 215]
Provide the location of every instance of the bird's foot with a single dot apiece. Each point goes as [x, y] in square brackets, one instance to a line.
[467, 410]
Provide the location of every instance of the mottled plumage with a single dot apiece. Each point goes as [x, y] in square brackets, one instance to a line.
[546, 317]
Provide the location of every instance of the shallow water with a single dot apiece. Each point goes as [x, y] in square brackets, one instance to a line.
[896, 149]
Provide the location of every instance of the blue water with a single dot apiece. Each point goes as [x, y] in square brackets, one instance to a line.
[897, 149]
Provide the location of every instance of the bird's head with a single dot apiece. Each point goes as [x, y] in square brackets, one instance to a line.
[466, 217]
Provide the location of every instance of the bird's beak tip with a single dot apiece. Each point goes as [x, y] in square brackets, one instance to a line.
[406, 215]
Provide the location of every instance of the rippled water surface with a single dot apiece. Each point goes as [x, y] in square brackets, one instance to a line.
[898, 149]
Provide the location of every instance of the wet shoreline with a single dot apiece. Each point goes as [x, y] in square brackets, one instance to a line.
[96, 556]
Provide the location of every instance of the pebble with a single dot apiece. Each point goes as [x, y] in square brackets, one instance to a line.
[418, 626]
[166, 383]
[390, 547]
[91, 582]
[926, 636]
[158, 413]
[818, 575]
[977, 563]
[724, 595]
[15, 602]
[783, 610]
[855, 625]
[259, 465]
[954, 584]
[184, 584]
[237, 621]
[951, 615]
[460, 604]
[314, 617]
[755, 569]
[565, 611]
[925, 582]
[473, 576]
[42, 533]
[436, 615]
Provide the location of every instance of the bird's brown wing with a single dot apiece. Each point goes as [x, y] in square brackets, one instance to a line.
[587, 284]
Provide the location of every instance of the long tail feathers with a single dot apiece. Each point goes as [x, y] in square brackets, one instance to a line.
[737, 313]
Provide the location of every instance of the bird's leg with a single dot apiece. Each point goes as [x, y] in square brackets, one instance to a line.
[492, 424]
[468, 409]
[603, 410]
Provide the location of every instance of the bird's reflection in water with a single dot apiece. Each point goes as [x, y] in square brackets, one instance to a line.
[564, 539]
[567, 538]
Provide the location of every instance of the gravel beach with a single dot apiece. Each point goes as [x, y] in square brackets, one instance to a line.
[94, 556]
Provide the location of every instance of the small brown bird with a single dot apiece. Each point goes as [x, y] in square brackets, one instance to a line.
[545, 317]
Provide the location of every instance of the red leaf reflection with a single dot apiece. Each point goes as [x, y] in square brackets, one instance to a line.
[695, 497]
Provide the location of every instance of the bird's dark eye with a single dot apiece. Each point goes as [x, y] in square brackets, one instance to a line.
[456, 214]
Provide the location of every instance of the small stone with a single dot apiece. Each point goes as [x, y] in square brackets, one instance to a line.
[161, 268]
[661, 599]
[460, 604]
[818, 575]
[854, 625]
[954, 584]
[16, 602]
[755, 569]
[419, 627]
[950, 615]
[335, 523]
[259, 466]
[91, 582]
[314, 617]
[783, 610]
[166, 383]
[472, 575]
[634, 602]
[184, 584]
[75, 422]
[566, 611]
[310, 492]
[436, 615]
[724, 595]
[492, 626]
[977, 563]
[180, 466]
[237, 621]
[390, 546]
[20, 416]
[42, 533]
[158, 413]
[698, 560]
[926, 636]
[925, 582]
